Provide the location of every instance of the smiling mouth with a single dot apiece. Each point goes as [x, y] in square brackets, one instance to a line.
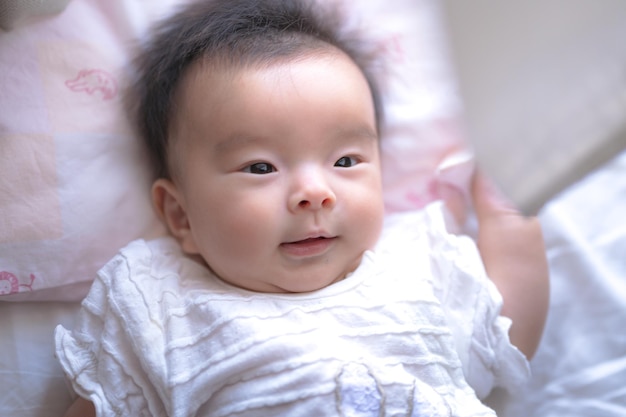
[308, 247]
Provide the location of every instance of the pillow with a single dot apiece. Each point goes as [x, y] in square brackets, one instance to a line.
[75, 179]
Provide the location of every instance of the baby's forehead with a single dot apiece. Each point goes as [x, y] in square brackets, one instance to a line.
[224, 65]
[217, 101]
[217, 77]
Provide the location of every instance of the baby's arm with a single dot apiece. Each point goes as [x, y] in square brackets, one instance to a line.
[514, 255]
[81, 408]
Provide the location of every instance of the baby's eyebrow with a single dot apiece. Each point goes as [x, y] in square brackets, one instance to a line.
[235, 141]
[359, 132]
[238, 140]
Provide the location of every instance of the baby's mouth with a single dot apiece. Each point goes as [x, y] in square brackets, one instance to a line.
[308, 247]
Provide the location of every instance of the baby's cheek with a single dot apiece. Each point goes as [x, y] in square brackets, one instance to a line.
[368, 213]
[245, 227]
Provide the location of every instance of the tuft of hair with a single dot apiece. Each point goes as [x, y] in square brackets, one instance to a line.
[235, 33]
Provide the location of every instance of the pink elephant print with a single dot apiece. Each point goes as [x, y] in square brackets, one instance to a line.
[92, 81]
[9, 283]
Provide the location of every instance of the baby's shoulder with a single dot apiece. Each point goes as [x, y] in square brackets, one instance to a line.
[151, 270]
[141, 257]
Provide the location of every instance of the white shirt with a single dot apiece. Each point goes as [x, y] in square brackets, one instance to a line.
[159, 335]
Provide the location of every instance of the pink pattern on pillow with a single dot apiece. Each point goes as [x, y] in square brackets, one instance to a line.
[393, 48]
[428, 195]
[10, 284]
[92, 81]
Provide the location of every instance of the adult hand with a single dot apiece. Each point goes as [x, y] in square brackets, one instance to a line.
[514, 254]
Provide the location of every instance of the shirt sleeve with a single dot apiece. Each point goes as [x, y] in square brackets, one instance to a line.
[472, 305]
[99, 358]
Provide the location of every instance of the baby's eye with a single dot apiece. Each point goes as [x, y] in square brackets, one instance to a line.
[346, 162]
[260, 168]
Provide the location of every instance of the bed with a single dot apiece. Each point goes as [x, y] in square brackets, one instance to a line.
[75, 184]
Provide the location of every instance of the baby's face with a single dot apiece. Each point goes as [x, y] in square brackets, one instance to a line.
[278, 172]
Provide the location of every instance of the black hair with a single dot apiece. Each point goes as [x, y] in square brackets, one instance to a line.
[235, 33]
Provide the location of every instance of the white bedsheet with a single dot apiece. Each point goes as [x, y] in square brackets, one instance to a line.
[31, 381]
[580, 367]
[579, 370]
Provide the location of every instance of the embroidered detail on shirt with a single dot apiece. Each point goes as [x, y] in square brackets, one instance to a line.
[358, 392]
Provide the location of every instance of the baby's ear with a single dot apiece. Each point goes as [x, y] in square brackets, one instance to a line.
[170, 207]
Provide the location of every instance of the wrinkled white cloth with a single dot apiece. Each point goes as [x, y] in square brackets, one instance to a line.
[159, 335]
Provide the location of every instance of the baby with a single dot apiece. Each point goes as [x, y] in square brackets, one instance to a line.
[284, 290]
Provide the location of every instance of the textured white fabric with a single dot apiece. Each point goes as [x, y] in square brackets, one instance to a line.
[160, 335]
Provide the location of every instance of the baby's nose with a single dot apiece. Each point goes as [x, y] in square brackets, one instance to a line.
[312, 192]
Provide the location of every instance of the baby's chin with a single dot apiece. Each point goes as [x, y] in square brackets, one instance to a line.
[321, 281]
[299, 286]
[296, 282]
